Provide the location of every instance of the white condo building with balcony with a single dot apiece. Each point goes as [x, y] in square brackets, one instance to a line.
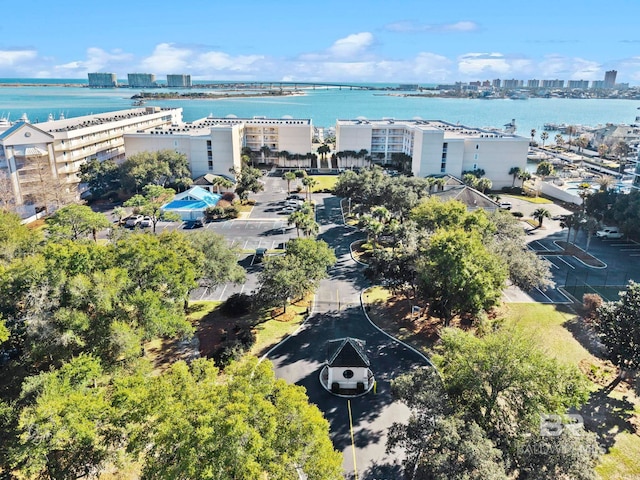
[214, 145]
[435, 147]
[48, 155]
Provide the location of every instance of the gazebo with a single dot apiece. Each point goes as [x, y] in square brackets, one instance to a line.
[347, 369]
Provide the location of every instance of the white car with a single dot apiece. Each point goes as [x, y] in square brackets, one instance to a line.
[609, 232]
[505, 205]
[133, 221]
[145, 222]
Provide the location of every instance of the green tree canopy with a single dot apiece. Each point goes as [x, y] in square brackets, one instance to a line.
[74, 221]
[101, 177]
[219, 260]
[16, 240]
[619, 327]
[458, 275]
[248, 425]
[164, 168]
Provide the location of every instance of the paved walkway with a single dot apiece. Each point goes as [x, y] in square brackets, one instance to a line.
[337, 314]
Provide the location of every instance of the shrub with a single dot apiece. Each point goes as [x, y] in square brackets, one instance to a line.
[517, 214]
[591, 302]
[228, 196]
[251, 201]
[213, 213]
[237, 305]
[231, 211]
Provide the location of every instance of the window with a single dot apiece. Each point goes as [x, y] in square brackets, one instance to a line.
[347, 374]
[210, 164]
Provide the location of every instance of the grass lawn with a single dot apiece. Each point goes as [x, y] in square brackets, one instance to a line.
[273, 330]
[613, 413]
[324, 182]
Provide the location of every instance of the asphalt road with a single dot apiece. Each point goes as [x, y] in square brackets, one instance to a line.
[337, 314]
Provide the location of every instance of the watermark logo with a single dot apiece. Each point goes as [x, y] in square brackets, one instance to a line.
[553, 425]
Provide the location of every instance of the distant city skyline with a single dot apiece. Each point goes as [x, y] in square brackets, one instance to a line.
[409, 41]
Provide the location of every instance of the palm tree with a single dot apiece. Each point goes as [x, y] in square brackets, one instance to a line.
[533, 134]
[310, 227]
[621, 150]
[581, 142]
[605, 182]
[484, 184]
[540, 214]
[571, 131]
[544, 169]
[559, 140]
[515, 172]
[223, 182]
[603, 150]
[470, 180]
[265, 151]
[544, 136]
[289, 177]
[381, 214]
[309, 182]
[524, 176]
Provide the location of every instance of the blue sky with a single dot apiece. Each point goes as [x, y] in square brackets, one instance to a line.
[419, 41]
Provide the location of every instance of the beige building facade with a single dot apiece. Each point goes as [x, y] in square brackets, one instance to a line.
[44, 156]
[433, 147]
[215, 145]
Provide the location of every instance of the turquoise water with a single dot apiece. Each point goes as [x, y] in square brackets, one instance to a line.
[325, 106]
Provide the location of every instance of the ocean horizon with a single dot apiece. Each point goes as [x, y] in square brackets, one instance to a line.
[322, 105]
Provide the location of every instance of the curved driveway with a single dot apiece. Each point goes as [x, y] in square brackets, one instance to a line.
[337, 313]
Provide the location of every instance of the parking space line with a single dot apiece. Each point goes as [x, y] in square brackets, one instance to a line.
[222, 293]
[544, 295]
[563, 260]
[538, 242]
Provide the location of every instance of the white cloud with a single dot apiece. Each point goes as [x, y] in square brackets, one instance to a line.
[351, 46]
[415, 27]
[558, 66]
[167, 57]
[12, 58]
[483, 64]
[98, 60]
[224, 61]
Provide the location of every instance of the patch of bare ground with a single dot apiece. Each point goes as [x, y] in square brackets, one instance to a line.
[420, 330]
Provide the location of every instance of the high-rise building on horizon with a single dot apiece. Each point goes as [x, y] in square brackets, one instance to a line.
[533, 83]
[610, 78]
[102, 80]
[179, 80]
[583, 84]
[141, 80]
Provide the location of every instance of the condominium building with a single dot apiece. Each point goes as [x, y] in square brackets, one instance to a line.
[215, 145]
[582, 84]
[42, 160]
[141, 80]
[102, 80]
[533, 83]
[512, 83]
[179, 81]
[553, 83]
[432, 147]
[597, 84]
[610, 78]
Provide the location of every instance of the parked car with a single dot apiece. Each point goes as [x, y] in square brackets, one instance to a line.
[133, 221]
[505, 205]
[289, 209]
[258, 257]
[609, 232]
[146, 222]
[197, 223]
[293, 203]
[294, 197]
